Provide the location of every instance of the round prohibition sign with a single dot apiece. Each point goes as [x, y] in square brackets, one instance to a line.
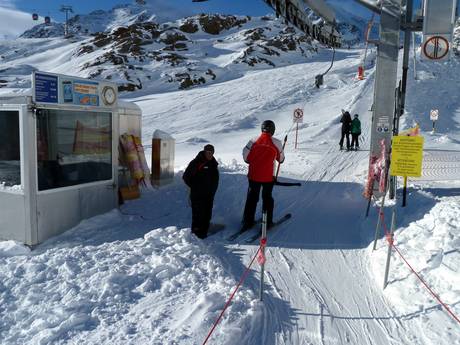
[436, 47]
[298, 113]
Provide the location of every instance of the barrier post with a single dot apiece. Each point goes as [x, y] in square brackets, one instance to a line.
[360, 72]
[370, 200]
[262, 265]
[296, 132]
[390, 247]
[378, 223]
[404, 192]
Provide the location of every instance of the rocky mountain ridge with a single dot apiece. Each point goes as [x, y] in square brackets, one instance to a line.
[147, 55]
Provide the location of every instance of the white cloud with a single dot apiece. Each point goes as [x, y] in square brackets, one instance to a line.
[13, 22]
[7, 3]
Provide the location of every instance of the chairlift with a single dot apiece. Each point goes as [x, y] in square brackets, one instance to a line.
[34, 16]
[47, 20]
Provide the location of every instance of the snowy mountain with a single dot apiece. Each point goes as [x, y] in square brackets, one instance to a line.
[150, 57]
[137, 275]
[139, 47]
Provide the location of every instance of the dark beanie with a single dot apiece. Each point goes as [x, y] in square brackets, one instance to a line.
[209, 147]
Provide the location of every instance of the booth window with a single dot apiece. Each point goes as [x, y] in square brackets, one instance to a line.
[10, 157]
[73, 148]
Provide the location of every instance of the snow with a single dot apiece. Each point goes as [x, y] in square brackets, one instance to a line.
[137, 275]
[13, 248]
[15, 188]
[158, 134]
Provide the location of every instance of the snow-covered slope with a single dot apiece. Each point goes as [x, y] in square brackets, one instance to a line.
[115, 279]
[139, 276]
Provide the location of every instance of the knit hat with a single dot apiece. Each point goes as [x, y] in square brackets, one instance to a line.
[209, 147]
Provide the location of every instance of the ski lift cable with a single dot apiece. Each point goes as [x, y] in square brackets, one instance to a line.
[332, 61]
[334, 27]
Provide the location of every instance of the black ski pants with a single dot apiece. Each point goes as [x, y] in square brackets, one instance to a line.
[354, 140]
[201, 214]
[345, 134]
[253, 198]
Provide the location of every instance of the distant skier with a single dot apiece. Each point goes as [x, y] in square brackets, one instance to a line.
[346, 127]
[355, 132]
[202, 176]
[260, 153]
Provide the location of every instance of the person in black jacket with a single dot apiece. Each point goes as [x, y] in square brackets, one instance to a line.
[202, 176]
[346, 128]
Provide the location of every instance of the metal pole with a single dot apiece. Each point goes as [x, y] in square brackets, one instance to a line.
[380, 211]
[385, 80]
[378, 223]
[415, 56]
[407, 35]
[390, 246]
[369, 201]
[404, 192]
[368, 206]
[262, 266]
[296, 131]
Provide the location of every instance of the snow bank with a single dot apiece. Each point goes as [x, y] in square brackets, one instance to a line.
[12, 248]
[164, 287]
[430, 242]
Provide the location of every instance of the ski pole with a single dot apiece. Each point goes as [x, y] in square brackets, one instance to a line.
[287, 184]
[279, 164]
[284, 184]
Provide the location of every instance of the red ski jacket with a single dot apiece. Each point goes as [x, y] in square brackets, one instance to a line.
[260, 154]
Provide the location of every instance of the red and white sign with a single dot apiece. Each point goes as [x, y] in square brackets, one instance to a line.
[298, 116]
[435, 48]
[434, 114]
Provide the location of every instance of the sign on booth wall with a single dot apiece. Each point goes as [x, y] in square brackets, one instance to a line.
[46, 88]
[79, 92]
[406, 156]
[61, 89]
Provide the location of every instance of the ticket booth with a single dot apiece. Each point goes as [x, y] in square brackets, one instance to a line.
[59, 155]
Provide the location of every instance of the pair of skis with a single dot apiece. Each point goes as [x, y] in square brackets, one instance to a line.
[259, 233]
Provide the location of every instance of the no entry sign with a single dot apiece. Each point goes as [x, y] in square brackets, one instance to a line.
[435, 48]
[298, 116]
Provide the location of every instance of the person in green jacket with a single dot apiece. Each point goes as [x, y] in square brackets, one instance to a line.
[355, 132]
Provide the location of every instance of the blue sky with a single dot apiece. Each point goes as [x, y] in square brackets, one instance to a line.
[51, 7]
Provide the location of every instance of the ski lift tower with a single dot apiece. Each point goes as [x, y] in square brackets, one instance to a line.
[388, 105]
[66, 9]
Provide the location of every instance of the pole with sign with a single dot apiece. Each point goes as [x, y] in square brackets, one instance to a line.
[297, 118]
[406, 158]
[434, 115]
[438, 27]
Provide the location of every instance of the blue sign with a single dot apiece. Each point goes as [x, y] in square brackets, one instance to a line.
[46, 88]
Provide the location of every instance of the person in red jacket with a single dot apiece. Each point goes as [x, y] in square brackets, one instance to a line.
[260, 154]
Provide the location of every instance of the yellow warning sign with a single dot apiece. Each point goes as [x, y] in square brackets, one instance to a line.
[406, 156]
